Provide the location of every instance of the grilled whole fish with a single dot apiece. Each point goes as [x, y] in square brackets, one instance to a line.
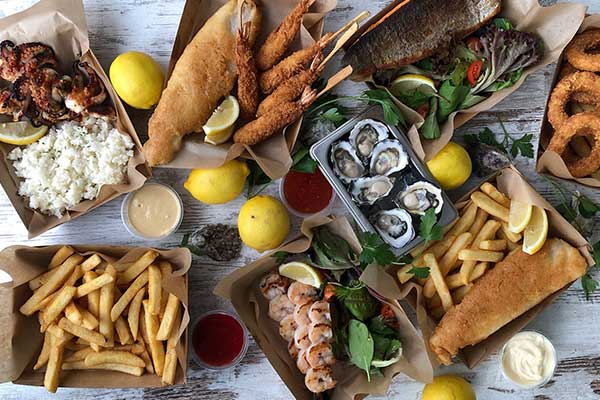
[415, 29]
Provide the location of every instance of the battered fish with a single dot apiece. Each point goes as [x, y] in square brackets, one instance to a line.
[204, 74]
[512, 287]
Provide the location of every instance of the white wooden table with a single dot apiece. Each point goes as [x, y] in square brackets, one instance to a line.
[116, 26]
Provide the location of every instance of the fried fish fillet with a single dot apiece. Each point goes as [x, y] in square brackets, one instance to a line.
[203, 75]
[512, 287]
[415, 29]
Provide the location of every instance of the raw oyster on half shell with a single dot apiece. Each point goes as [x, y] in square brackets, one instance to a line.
[346, 164]
[388, 157]
[366, 134]
[420, 197]
[394, 226]
[369, 190]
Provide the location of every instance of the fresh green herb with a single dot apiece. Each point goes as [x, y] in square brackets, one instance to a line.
[357, 299]
[471, 100]
[257, 179]
[500, 84]
[589, 285]
[334, 115]
[520, 145]
[503, 23]
[459, 74]
[185, 242]
[405, 259]
[431, 128]
[450, 99]
[280, 256]
[360, 346]
[377, 326]
[420, 272]
[415, 98]
[332, 252]
[587, 208]
[302, 162]
[429, 229]
[384, 347]
[596, 254]
[375, 250]
[425, 64]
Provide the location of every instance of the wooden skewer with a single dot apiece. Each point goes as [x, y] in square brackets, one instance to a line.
[335, 79]
[340, 43]
[348, 24]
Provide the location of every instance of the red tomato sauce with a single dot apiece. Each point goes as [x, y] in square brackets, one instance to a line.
[218, 339]
[307, 193]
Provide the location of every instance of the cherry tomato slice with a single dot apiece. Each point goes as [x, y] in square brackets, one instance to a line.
[423, 110]
[474, 71]
[474, 44]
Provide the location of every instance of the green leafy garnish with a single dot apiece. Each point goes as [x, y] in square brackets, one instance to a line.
[589, 285]
[587, 208]
[360, 346]
[451, 97]
[430, 128]
[375, 250]
[185, 242]
[391, 113]
[257, 179]
[508, 145]
[302, 162]
[513, 77]
[459, 74]
[420, 272]
[377, 326]
[357, 299]
[415, 98]
[334, 115]
[522, 145]
[332, 252]
[425, 64]
[429, 228]
[503, 23]
[280, 256]
[596, 254]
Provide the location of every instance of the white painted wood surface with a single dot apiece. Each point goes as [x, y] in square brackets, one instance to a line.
[115, 26]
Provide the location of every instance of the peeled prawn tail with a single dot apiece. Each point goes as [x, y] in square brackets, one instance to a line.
[308, 97]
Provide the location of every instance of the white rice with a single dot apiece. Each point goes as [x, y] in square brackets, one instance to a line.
[71, 163]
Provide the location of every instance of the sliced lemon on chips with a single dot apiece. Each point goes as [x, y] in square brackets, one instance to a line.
[519, 216]
[301, 272]
[536, 231]
[407, 83]
[219, 127]
[21, 133]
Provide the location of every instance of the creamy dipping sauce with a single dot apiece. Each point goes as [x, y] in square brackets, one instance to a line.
[528, 359]
[154, 210]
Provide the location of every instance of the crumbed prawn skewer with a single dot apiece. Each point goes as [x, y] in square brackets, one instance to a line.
[247, 84]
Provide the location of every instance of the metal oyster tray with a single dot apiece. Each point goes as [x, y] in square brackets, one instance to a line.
[320, 152]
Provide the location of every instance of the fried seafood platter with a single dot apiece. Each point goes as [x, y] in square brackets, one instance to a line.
[500, 259]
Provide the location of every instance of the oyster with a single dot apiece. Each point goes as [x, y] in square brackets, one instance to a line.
[420, 197]
[366, 134]
[395, 226]
[388, 157]
[369, 190]
[346, 164]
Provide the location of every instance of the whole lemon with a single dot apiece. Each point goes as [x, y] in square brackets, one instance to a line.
[263, 223]
[218, 185]
[448, 387]
[137, 78]
[451, 166]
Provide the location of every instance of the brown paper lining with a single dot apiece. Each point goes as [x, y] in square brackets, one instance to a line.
[272, 155]
[549, 161]
[65, 29]
[510, 182]
[555, 25]
[241, 287]
[21, 340]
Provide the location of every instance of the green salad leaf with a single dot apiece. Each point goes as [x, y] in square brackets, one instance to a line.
[430, 128]
[332, 251]
[357, 299]
[451, 97]
[361, 346]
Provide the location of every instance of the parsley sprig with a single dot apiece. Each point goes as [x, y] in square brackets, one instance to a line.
[375, 250]
[429, 229]
[420, 272]
[508, 144]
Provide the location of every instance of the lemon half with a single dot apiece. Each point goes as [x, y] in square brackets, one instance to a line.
[21, 133]
[536, 232]
[301, 272]
[219, 127]
[519, 216]
[407, 83]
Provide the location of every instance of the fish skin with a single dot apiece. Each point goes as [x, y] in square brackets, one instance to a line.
[416, 29]
[514, 286]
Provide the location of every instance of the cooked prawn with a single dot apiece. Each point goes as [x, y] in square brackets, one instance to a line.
[247, 83]
[287, 327]
[319, 312]
[280, 307]
[292, 349]
[301, 339]
[320, 354]
[318, 380]
[292, 65]
[300, 293]
[320, 332]
[266, 125]
[273, 285]
[301, 314]
[278, 41]
[301, 362]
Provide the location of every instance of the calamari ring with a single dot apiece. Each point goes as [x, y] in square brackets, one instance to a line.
[584, 82]
[578, 97]
[577, 51]
[579, 125]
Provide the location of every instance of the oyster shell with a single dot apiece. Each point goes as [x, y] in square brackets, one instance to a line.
[420, 197]
[395, 226]
[366, 134]
[369, 190]
[388, 157]
[346, 164]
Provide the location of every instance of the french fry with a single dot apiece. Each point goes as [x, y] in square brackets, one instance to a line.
[54, 282]
[488, 204]
[438, 281]
[74, 346]
[44, 303]
[55, 360]
[145, 356]
[510, 245]
[488, 231]
[513, 237]
[174, 336]
[129, 294]
[448, 260]
[39, 280]
[95, 284]
[495, 194]
[91, 263]
[166, 269]
[154, 288]
[73, 314]
[480, 255]
[57, 305]
[88, 320]
[56, 331]
[480, 219]
[459, 294]
[81, 332]
[133, 317]
[107, 294]
[137, 267]
[465, 221]
[113, 357]
[93, 298]
[79, 355]
[495, 245]
[438, 249]
[75, 276]
[168, 376]
[127, 369]
[168, 319]
[60, 256]
[455, 281]
[122, 330]
[135, 348]
[45, 352]
[156, 347]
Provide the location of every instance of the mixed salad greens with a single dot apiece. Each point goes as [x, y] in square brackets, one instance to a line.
[490, 60]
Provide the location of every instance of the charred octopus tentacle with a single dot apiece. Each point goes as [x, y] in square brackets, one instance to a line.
[88, 90]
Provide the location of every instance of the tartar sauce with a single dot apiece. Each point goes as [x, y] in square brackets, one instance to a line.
[528, 359]
[154, 210]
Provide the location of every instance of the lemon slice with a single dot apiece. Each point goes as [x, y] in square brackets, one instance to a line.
[301, 272]
[519, 216]
[407, 83]
[536, 232]
[219, 127]
[21, 133]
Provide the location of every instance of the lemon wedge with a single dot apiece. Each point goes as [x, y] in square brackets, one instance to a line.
[219, 127]
[519, 216]
[301, 272]
[536, 231]
[407, 83]
[21, 133]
